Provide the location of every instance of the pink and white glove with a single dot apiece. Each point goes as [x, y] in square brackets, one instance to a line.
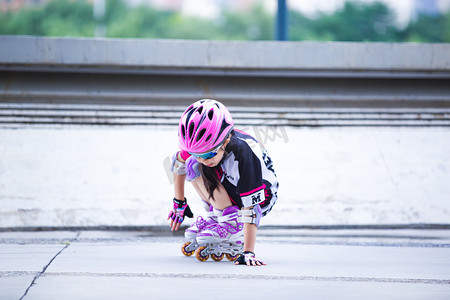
[179, 211]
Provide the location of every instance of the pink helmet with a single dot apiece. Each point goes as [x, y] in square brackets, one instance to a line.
[204, 126]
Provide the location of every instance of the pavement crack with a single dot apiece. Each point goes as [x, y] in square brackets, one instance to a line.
[43, 271]
[76, 236]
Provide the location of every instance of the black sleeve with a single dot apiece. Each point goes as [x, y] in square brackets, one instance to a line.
[250, 186]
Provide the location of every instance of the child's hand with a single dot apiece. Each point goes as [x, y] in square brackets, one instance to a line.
[249, 259]
[177, 214]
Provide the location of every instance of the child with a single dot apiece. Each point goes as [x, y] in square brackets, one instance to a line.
[231, 172]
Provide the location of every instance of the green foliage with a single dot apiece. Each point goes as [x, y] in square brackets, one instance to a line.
[358, 22]
[429, 29]
[256, 24]
[140, 22]
[56, 18]
[355, 21]
[147, 22]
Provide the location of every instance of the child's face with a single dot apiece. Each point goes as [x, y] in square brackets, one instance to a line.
[212, 162]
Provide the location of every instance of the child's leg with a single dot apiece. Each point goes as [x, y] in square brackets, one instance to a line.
[221, 198]
[202, 195]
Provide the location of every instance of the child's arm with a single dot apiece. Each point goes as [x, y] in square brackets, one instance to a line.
[179, 180]
[249, 237]
[250, 230]
[180, 209]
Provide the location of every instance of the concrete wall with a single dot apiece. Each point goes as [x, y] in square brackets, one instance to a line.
[185, 54]
[92, 176]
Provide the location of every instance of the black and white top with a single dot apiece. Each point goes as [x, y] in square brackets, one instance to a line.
[247, 173]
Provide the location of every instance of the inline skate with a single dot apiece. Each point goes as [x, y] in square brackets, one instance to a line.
[200, 224]
[223, 238]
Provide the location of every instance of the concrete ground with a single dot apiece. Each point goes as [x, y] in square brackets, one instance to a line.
[301, 264]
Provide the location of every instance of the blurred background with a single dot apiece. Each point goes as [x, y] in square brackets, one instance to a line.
[319, 20]
[352, 101]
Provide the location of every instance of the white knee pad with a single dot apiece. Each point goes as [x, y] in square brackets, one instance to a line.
[251, 216]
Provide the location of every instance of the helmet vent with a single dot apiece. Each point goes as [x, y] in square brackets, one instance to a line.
[222, 129]
[208, 138]
[201, 134]
[183, 131]
[199, 110]
[211, 114]
[191, 130]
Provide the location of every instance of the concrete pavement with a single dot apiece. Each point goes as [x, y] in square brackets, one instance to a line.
[302, 264]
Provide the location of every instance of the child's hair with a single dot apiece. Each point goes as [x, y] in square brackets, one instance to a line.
[210, 176]
[210, 179]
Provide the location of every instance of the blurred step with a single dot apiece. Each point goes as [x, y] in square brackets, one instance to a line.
[30, 114]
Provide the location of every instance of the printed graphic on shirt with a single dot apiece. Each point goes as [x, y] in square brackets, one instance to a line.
[248, 174]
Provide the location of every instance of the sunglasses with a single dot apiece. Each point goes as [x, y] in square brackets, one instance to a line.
[206, 155]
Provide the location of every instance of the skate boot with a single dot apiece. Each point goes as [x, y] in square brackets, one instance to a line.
[225, 237]
[200, 224]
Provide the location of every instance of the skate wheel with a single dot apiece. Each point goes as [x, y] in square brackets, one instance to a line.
[217, 257]
[199, 255]
[232, 257]
[185, 252]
